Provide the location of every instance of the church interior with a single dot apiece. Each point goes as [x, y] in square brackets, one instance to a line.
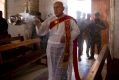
[23, 55]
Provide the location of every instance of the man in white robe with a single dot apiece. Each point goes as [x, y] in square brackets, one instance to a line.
[56, 27]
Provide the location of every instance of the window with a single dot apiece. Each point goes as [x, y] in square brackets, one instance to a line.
[2, 6]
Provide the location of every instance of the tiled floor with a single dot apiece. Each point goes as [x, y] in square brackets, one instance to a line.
[36, 71]
[31, 72]
[40, 72]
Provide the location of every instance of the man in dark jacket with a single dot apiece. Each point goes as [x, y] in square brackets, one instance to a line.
[3, 29]
[96, 27]
[3, 25]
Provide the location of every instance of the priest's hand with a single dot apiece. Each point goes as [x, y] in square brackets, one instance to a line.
[37, 22]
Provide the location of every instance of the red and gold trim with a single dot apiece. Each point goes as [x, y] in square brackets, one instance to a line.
[67, 42]
[75, 61]
[67, 49]
[57, 21]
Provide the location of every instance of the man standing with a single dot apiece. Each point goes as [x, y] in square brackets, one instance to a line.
[62, 30]
[96, 28]
[82, 26]
[87, 33]
[44, 38]
[3, 25]
[3, 29]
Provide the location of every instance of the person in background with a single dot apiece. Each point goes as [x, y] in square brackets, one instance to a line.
[82, 26]
[96, 27]
[38, 15]
[87, 35]
[62, 30]
[83, 16]
[3, 29]
[3, 25]
[44, 38]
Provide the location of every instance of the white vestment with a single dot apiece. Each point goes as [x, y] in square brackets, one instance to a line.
[55, 49]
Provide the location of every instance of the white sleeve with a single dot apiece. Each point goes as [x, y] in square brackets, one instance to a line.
[44, 28]
[74, 30]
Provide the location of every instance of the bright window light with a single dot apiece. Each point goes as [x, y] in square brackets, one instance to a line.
[84, 6]
[2, 8]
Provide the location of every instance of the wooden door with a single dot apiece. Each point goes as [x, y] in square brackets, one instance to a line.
[103, 6]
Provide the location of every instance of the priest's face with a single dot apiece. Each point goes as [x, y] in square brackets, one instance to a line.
[58, 9]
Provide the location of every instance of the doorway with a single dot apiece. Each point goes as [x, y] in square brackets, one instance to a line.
[84, 6]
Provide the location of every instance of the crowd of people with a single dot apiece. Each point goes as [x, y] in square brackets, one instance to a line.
[91, 27]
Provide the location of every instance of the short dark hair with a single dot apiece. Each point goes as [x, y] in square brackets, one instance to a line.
[97, 14]
[0, 12]
[59, 2]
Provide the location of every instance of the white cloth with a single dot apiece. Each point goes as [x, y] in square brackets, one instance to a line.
[55, 48]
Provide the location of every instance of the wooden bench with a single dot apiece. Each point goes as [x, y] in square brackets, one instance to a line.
[16, 45]
[20, 61]
[97, 67]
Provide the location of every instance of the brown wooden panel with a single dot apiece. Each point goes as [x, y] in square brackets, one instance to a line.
[103, 6]
[18, 44]
[95, 71]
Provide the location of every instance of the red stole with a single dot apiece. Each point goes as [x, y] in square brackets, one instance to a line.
[57, 21]
[75, 63]
[66, 19]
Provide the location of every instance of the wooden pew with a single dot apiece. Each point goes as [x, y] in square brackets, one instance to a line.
[8, 40]
[19, 62]
[18, 44]
[96, 69]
